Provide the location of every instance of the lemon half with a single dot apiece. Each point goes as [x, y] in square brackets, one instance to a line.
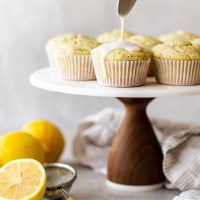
[22, 179]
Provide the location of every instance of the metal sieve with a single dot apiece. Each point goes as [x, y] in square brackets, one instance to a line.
[60, 178]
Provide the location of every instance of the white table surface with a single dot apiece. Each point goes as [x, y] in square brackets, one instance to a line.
[92, 186]
[49, 80]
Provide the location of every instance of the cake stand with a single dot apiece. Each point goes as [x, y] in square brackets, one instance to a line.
[135, 160]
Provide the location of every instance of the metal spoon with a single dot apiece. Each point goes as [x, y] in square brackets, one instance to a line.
[66, 194]
[125, 6]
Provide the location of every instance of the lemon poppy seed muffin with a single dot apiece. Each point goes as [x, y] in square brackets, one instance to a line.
[55, 41]
[177, 51]
[78, 46]
[120, 67]
[146, 42]
[64, 38]
[178, 36]
[113, 36]
[177, 63]
[124, 55]
[71, 55]
[196, 41]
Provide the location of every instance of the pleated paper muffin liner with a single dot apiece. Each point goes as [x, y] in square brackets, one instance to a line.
[75, 67]
[121, 73]
[177, 72]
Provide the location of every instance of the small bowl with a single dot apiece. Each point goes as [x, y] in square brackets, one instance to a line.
[59, 177]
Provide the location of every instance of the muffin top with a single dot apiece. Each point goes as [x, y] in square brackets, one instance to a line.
[121, 54]
[73, 44]
[113, 36]
[178, 36]
[144, 41]
[196, 41]
[177, 51]
[55, 41]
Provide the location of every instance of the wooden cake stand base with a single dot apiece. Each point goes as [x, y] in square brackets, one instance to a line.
[136, 157]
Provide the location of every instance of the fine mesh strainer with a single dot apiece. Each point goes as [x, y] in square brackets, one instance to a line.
[60, 178]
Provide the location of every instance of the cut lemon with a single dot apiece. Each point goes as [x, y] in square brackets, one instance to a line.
[23, 179]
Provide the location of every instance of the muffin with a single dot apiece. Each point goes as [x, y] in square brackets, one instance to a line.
[113, 36]
[177, 63]
[146, 42]
[178, 36]
[72, 57]
[120, 67]
[55, 41]
[196, 41]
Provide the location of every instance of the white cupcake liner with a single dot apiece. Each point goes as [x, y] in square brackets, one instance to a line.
[121, 73]
[177, 72]
[75, 67]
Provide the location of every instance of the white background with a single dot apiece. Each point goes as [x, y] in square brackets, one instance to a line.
[25, 27]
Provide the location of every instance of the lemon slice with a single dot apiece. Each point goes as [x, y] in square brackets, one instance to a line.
[23, 179]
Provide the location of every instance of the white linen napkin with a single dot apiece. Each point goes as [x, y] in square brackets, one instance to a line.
[94, 138]
[188, 195]
[181, 148]
[180, 144]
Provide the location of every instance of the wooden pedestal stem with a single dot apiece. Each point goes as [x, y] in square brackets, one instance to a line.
[135, 158]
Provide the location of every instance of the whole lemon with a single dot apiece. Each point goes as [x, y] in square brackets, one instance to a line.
[49, 136]
[17, 145]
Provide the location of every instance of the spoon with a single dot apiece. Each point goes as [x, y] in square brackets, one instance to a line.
[66, 194]
[125, 6]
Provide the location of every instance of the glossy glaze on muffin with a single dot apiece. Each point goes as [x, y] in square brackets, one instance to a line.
[121, 54]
